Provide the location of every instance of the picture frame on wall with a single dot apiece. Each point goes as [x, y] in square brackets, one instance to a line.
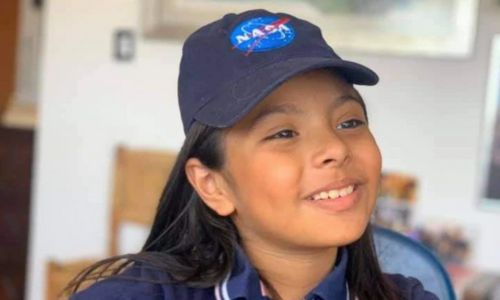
[431, 28]
[489, 187]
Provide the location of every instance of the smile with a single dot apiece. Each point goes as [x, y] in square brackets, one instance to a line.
[333, 194]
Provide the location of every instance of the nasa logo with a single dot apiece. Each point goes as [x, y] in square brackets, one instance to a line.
[262, 34]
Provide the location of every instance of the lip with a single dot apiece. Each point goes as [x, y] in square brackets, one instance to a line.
[339, 204]
[334, 186]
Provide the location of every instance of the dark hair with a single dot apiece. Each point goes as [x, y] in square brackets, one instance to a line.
[196, 247]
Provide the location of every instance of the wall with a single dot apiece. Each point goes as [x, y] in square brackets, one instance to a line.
[426, 114]
[89, 104]
[29, 39]
[428, 117]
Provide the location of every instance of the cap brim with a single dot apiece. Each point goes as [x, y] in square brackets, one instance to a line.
[248, 91]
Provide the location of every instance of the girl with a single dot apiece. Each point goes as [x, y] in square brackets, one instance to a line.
[272, 191]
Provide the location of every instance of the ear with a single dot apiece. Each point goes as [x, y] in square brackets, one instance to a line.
[210, 186]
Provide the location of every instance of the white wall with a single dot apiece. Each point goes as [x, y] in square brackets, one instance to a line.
[88, 104]
[28, 53]
[426, 114]
[428, 117]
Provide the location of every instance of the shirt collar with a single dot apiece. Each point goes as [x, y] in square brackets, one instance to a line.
[244, 281]
[334, 285]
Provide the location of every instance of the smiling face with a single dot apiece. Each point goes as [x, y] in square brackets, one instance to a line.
[302, 168]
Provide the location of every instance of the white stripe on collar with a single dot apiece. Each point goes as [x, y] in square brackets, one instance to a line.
[217, 292]
[225, 293]
[221, 293]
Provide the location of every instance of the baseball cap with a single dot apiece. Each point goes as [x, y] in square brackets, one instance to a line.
[230, 65]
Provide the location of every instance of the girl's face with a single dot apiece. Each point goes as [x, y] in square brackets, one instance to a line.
[307, 140]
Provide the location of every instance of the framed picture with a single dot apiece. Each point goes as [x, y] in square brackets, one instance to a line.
[490, 152]
[433, 28]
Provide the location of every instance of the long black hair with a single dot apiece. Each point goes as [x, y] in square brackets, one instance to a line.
[196, 247]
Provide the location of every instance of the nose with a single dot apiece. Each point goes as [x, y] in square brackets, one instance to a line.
[330, 151]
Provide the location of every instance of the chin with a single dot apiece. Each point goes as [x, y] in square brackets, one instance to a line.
[348, 235]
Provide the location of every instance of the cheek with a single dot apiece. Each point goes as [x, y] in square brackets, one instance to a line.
[368, 158]
[266, 185]
[367, 153]
[269, 176]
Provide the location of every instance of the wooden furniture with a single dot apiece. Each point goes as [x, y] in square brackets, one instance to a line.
[59, 274]
[20, 115]
[16, 158]
[9, 14]
[139, 178]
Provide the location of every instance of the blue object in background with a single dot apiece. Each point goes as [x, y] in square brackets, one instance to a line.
[400, 254]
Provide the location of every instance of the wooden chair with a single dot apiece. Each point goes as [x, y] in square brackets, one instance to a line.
[139, 178]
[59, 274]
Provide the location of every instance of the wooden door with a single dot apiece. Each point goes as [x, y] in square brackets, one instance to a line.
[16, 152]
[9, 15]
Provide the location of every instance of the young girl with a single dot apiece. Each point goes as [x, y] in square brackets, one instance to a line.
[272, 191]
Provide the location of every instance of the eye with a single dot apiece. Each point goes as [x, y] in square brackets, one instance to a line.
[350, 124]
[283, 134]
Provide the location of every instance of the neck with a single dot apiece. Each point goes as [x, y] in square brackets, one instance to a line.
[290, 274]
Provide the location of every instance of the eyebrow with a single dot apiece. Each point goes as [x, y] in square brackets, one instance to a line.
[287, 108]
[346, 98]
[272, 110]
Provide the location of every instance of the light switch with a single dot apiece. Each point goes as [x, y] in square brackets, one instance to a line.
[124, 45]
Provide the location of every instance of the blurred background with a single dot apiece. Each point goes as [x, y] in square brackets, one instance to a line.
[90, 125]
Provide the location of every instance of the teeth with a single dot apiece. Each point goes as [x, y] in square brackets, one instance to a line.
[333, 194]
[350, 189]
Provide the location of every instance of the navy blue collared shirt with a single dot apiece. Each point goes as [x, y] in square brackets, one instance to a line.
[242, 283]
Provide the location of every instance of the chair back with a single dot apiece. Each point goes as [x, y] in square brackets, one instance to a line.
[398, 253]
[140, 176]
[60, 274]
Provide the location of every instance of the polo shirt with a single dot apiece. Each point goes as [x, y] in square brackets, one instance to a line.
[243, 282]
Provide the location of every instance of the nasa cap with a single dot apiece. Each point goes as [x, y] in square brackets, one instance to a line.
[230, 65]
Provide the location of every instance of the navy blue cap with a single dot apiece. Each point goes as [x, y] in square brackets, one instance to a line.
[230, 65]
